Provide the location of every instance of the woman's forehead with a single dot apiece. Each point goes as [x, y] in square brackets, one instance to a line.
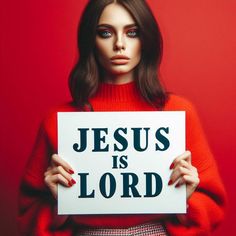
[116, 15]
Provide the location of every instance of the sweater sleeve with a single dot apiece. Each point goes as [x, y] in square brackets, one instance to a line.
[36, 204]
[206, 206]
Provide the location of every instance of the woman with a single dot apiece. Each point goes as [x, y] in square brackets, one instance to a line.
[120, 49]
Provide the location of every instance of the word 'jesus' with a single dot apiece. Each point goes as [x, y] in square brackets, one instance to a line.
[120, 139]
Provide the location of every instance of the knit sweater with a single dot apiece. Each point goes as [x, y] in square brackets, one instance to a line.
[37, 211]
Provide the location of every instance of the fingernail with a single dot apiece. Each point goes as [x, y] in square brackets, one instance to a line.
[171, 166]
[177, 185]
[170, 182]
[69, 183]
[71, 171]
[73, 181]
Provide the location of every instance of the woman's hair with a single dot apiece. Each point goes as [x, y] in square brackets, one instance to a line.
[87, 73]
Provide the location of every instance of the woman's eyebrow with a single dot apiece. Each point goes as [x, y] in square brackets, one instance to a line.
[111, 26]
[104, 25]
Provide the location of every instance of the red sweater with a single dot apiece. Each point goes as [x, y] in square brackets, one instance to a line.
[37, 206]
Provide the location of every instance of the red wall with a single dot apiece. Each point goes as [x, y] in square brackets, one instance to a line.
[38, 50]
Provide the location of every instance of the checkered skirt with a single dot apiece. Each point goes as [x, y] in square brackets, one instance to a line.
[148, 229]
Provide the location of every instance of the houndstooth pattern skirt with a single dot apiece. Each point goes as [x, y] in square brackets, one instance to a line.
[148, 229]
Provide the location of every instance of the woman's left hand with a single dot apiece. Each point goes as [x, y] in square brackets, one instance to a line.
[184, 173]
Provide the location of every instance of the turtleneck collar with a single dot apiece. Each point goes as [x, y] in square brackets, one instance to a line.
[117, 92]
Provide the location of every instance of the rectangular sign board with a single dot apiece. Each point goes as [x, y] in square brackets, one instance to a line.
[121, 162]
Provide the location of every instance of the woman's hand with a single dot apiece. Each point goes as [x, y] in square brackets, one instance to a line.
[184, 173]
[59, 172]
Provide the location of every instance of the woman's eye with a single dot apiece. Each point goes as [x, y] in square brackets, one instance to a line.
[104, 33]
[133, 33]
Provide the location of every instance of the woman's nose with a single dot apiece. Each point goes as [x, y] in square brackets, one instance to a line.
[119, 43]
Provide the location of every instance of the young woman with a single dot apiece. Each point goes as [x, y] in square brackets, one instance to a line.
[120, 48]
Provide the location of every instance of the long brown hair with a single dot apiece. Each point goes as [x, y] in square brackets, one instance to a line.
[85, 76]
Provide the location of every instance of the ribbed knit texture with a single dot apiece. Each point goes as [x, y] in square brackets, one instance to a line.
[37, 206]
[123, 97]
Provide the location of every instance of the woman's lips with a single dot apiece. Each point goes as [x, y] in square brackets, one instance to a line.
[120, 60]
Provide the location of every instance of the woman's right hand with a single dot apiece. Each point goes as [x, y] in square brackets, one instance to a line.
[59, 172]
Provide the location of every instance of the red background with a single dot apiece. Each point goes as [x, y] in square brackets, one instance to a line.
[38, 49]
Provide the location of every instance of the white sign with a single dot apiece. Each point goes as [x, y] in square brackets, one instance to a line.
[121, 162]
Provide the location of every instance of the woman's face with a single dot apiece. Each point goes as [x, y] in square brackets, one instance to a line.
[118, 46]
